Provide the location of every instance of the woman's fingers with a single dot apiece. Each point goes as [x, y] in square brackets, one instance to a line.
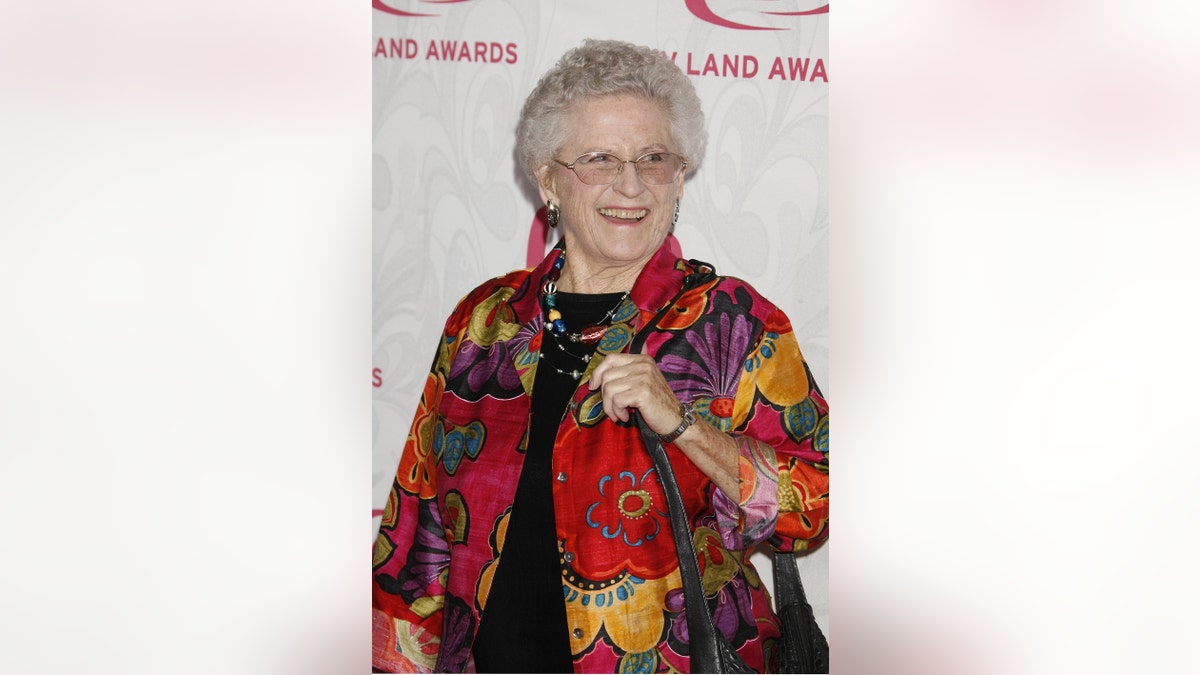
[633, 381]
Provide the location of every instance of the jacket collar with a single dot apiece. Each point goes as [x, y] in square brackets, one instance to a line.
[659, 281]
[656, 284]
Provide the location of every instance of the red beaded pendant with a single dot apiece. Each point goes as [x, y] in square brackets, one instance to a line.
[591, 334]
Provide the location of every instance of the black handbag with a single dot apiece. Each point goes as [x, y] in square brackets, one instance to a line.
[803, 648]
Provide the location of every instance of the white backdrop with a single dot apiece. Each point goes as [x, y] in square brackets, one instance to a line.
[452, 209]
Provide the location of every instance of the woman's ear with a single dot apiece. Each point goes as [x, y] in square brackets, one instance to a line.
[545, 181]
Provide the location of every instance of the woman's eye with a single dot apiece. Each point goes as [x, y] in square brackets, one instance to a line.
[653, 158]
[596, 159]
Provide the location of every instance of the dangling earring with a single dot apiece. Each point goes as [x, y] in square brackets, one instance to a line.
[675, 219]
[553, 213]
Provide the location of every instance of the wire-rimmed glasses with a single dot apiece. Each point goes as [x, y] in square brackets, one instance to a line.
[602, 168]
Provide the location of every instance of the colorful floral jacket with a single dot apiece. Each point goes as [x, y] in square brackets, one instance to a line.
[720, 345]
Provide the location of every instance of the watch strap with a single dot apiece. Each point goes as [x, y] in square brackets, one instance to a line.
[689, 418]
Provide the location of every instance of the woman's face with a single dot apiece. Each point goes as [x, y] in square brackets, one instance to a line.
[612, 230]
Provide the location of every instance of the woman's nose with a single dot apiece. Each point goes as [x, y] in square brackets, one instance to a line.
[628, 182]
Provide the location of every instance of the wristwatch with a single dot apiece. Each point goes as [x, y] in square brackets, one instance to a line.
[686, 410]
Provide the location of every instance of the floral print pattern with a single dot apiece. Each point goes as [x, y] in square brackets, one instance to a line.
[704, 364]
[625, 511]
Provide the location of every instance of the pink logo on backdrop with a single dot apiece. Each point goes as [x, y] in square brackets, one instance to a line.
[698, 8]
[384, 7]
[701, 10]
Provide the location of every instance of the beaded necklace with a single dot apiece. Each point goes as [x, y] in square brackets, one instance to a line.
[555, 325]
[574, 373]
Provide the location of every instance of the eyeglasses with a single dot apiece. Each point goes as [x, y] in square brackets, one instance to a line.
[601, 168]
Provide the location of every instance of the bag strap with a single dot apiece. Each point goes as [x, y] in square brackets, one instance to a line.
[702, 634]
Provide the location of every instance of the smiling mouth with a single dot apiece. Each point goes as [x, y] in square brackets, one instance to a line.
[630, 215]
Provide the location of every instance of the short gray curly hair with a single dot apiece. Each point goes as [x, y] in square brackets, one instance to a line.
[600, 68]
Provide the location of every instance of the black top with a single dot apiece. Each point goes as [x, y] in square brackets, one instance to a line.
[524, 627]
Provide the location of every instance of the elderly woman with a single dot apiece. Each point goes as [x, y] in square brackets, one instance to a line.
[527, 530]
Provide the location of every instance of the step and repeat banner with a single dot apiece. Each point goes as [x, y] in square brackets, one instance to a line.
[452, 208]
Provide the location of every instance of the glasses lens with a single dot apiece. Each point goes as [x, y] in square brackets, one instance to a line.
[597, 168]
[658, 168]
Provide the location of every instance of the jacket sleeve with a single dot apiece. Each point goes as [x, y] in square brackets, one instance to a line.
[780, 423]
[411, 553]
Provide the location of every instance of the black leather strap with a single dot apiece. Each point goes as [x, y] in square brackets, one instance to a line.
[702, 635]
